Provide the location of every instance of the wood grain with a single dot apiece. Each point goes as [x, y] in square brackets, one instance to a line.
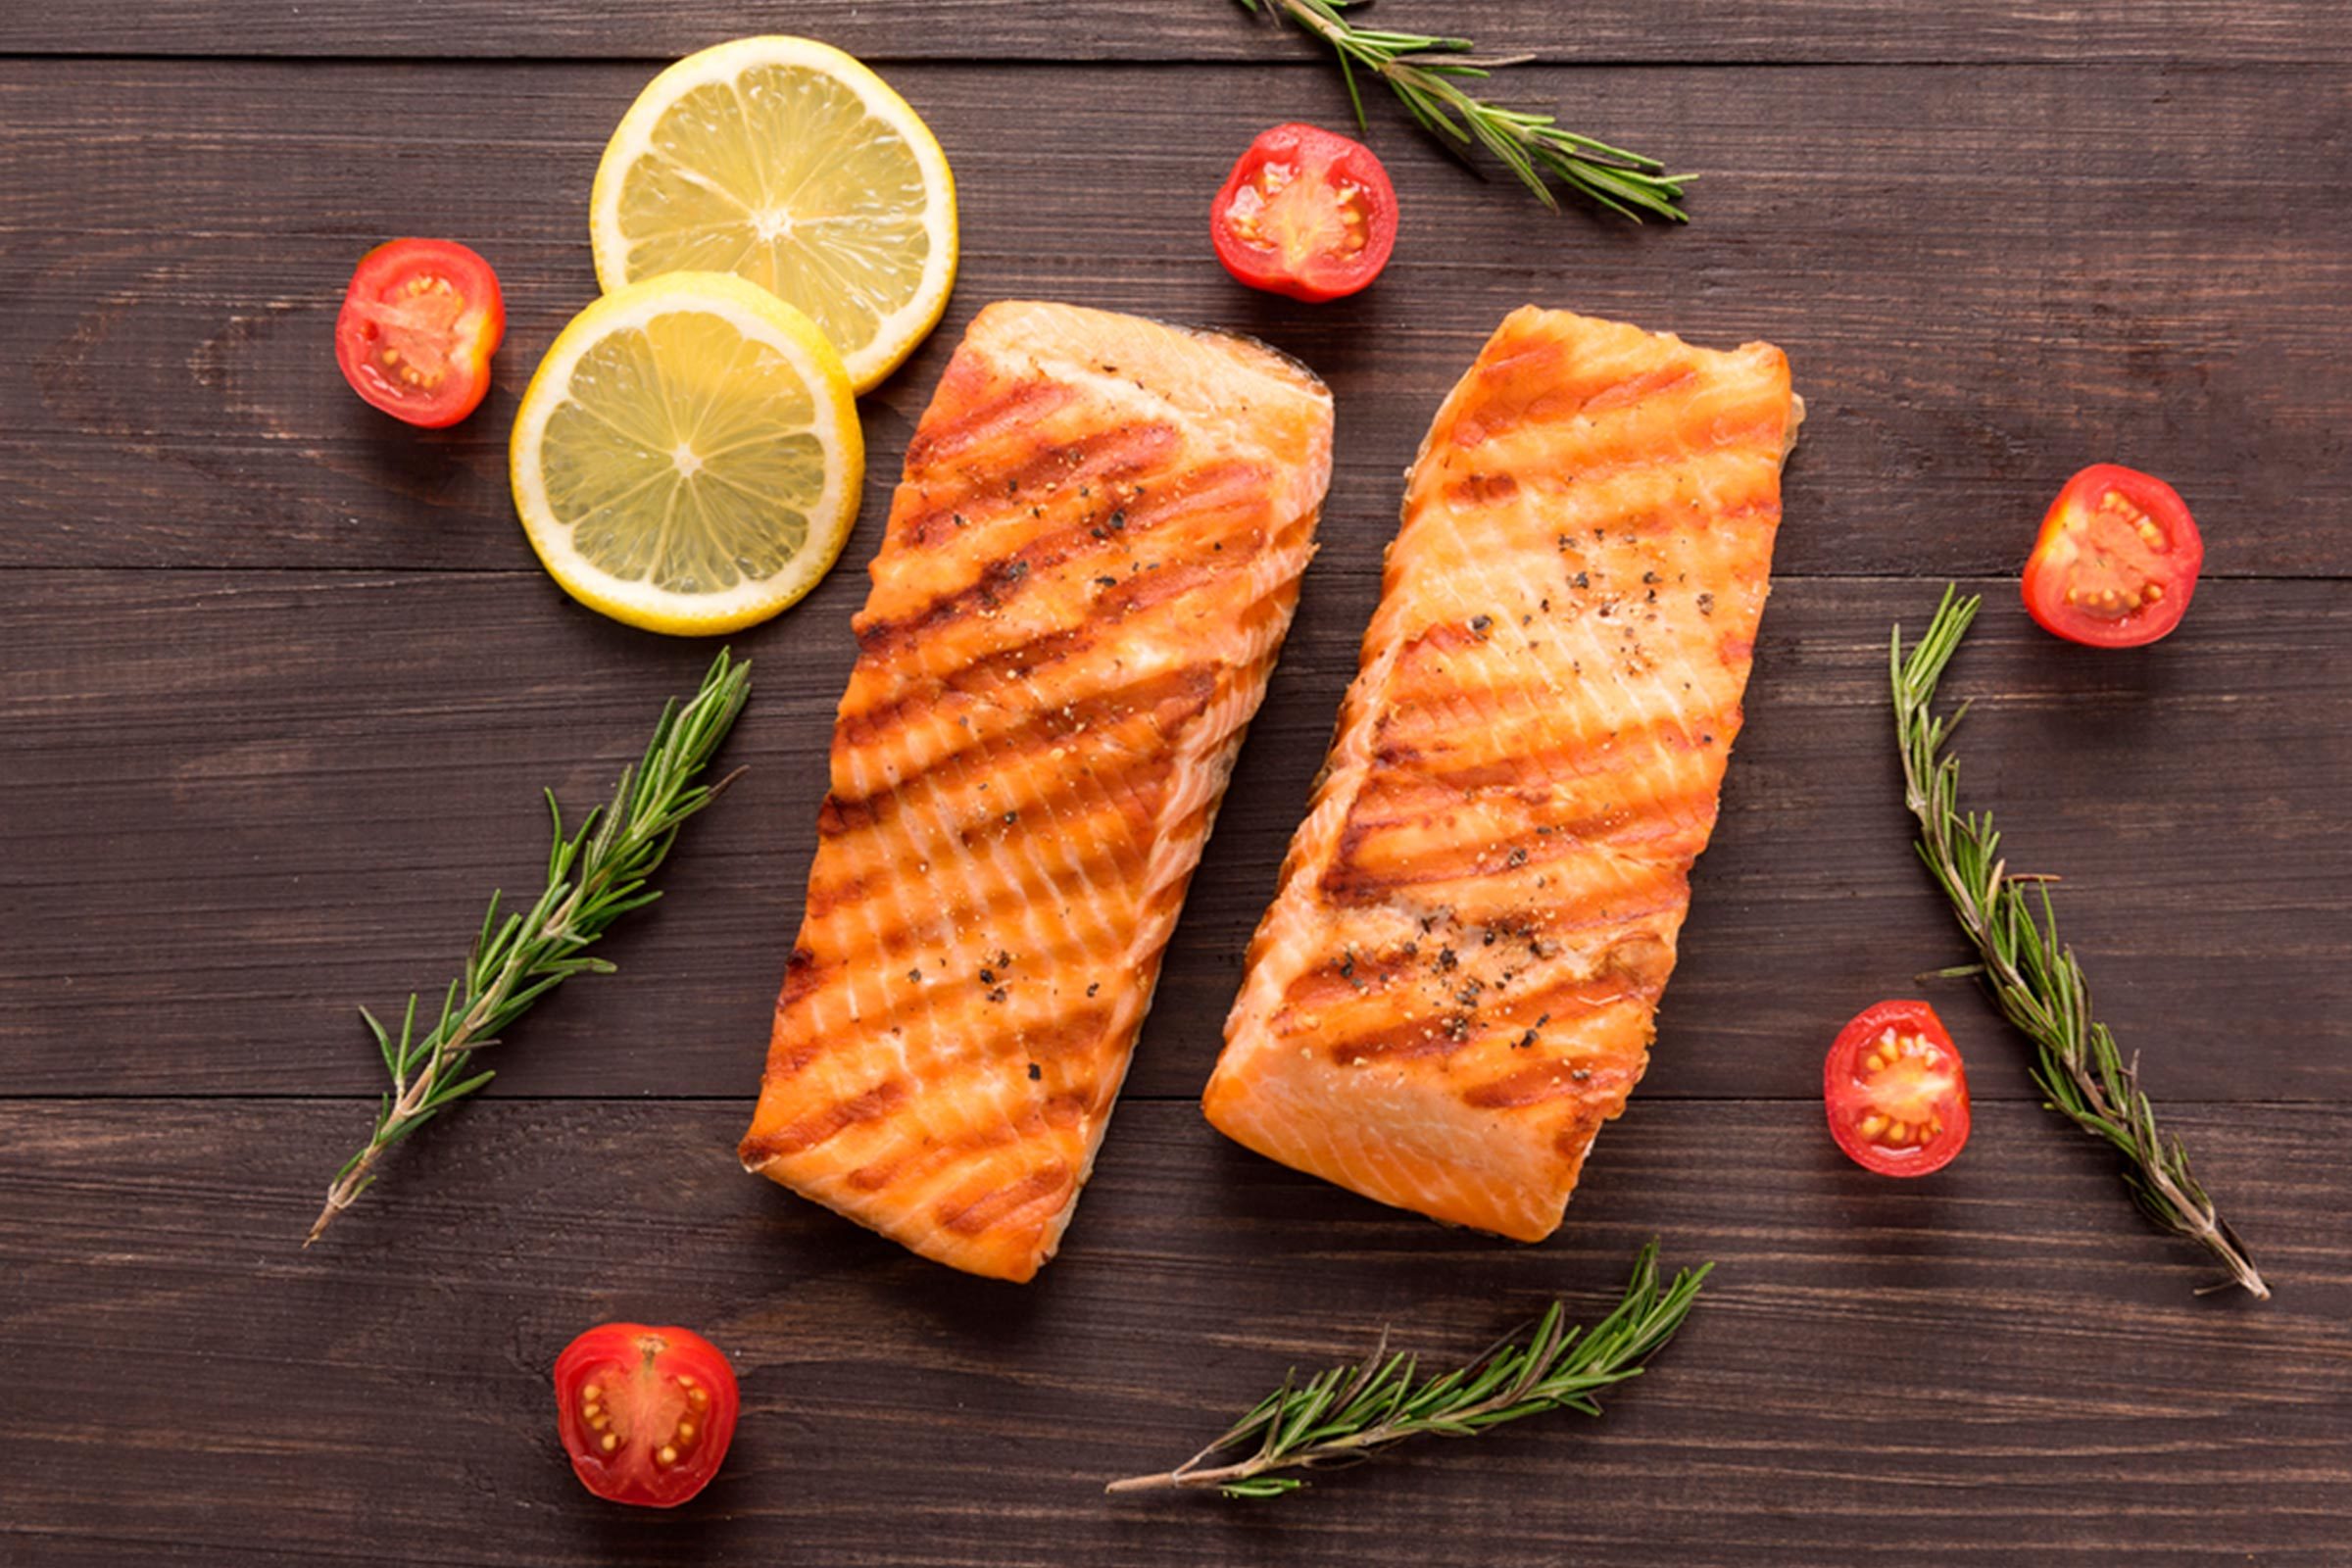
[1994, 1365]
[1998, 275]
[1627, 30]
[242, 804]
[279, 682]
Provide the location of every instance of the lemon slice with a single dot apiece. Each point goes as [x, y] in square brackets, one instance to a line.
[687, 458]
[786, 162]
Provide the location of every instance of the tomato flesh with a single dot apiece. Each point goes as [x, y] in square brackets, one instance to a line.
[420, 323]
[1895, 1091]
[645, 1414]
[2116, 560]
[1305, 213]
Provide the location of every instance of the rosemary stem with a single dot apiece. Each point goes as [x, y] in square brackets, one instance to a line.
[1332, 32]
[595, 874]
[458, 1043]
[348, 1186]
[1190, 1475]
[1171, 1480]
[1347, 1414]
[2033, 977]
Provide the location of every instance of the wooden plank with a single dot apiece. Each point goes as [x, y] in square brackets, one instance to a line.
[1998, 1365]
[1999, 275]
[2097, 32]
[240, 804]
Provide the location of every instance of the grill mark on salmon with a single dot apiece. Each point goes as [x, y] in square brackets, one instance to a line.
[1090, 565]
[1436, 1006]
[815, 1129]
[1398, 847]
[895, 934]
[1103, 457]
[870, 721]
[1498, 761]
[1070, 518]
[970, 412]
[1456, 984]
[1090, 531]
[1050, 1023]
[1164, 700]
[958, 779]
[1032, 1197]
[1001, 581]
[1382, 854]
[1004, 632]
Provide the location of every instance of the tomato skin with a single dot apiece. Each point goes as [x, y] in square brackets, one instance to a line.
[418, 324]
[1923, 1081]
[2116, 561]
[626, 1393]
[1305, 213]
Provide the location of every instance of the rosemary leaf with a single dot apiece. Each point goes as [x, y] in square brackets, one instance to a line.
[2032, 976]
[594, 875]
[1425, 72]
[1347, 1414]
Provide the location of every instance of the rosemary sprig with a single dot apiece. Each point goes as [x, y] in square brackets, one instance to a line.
[1347, 1414]
[1425, 72]
[594, 876]
[2032, 976]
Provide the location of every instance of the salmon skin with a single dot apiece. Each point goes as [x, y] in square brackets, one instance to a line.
[1455, 984]
[1088, 570]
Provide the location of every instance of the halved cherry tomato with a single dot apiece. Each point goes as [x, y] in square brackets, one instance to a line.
[1896, 1094]
[1305, 213]
[2117, 559]
[645, 1413]
[420, 323]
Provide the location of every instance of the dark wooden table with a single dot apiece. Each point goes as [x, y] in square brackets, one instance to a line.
[279, 682]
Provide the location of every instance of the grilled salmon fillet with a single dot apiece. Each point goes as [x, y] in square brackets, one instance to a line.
[1455, 984]
[1088, 570]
